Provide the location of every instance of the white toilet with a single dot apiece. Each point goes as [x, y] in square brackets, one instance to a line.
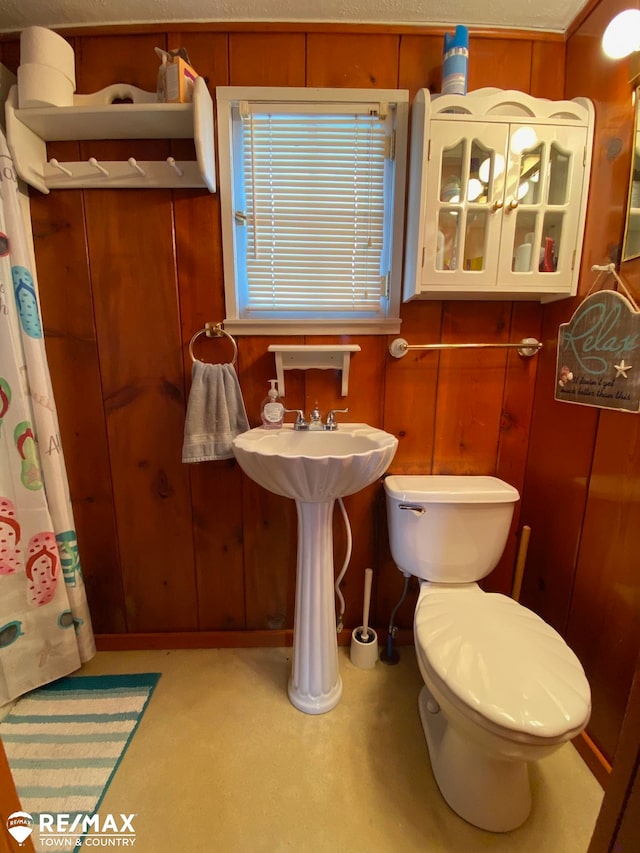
[502, 688]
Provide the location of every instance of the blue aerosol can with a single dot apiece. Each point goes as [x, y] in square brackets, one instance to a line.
[455, 62]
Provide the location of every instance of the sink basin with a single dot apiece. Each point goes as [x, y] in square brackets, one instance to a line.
[315, 466]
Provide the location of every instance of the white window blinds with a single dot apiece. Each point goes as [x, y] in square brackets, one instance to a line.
[313, 196]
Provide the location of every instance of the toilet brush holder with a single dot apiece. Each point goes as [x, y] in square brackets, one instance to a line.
[364, 648]
[364, 641]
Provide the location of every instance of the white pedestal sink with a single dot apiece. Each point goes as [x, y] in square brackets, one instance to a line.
[314, 468]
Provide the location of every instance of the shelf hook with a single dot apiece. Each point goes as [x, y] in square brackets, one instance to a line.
[56, 165]
[93, 162]
[175, 166]
[134, 165]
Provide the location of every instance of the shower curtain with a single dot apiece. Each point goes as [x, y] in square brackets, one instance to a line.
[45, 627]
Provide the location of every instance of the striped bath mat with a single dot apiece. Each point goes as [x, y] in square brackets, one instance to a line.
[64, 743]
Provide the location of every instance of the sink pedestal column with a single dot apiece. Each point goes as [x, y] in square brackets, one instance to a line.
[315, 685]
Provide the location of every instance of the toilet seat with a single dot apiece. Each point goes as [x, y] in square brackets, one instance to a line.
[500, 663]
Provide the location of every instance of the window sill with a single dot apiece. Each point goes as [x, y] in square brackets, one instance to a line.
[313, 327]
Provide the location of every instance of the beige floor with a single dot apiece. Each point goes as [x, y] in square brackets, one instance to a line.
[223, 762]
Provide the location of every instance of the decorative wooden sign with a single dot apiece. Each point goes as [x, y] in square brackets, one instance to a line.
[599, 354]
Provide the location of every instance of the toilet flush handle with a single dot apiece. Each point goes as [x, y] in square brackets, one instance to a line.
[419, 510]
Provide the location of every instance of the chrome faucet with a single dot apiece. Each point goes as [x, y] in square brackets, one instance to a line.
[300, 423]
[315, 418]
[331, 423]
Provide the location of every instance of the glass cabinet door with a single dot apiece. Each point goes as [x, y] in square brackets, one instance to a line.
[540, 221]
[463, 201]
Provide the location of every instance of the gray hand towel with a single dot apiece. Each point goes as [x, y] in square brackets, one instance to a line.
[215, 413]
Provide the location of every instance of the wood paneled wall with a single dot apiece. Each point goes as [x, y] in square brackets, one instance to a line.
[582, 485]
[126, 278]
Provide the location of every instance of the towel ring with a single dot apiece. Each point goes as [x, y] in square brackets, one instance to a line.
[214, 330]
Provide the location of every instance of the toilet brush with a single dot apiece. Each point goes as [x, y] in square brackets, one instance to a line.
[368, 577]
[364, 640]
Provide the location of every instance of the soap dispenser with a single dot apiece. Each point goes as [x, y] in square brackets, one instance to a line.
[271, 411]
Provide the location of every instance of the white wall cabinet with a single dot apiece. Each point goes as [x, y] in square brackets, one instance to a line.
[94, 117]
[498, 186]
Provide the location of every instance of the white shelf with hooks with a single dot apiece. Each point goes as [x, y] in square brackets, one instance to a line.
[94, 117]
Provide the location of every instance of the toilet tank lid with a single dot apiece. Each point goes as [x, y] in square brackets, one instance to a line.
[446, 488]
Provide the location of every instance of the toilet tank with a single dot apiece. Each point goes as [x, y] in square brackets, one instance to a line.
[448, 529]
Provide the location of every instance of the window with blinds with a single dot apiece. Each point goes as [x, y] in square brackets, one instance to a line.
[312, 213]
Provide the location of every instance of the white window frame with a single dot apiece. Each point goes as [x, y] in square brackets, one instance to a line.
[230, 97]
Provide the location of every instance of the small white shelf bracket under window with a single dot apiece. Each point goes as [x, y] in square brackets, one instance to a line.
[305, 356]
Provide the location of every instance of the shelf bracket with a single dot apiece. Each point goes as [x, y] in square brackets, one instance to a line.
[306, 356]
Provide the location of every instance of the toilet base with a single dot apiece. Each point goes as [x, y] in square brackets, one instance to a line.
[490, 793]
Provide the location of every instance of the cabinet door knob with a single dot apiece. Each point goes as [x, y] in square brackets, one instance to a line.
[512, 204]
[497, 205]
